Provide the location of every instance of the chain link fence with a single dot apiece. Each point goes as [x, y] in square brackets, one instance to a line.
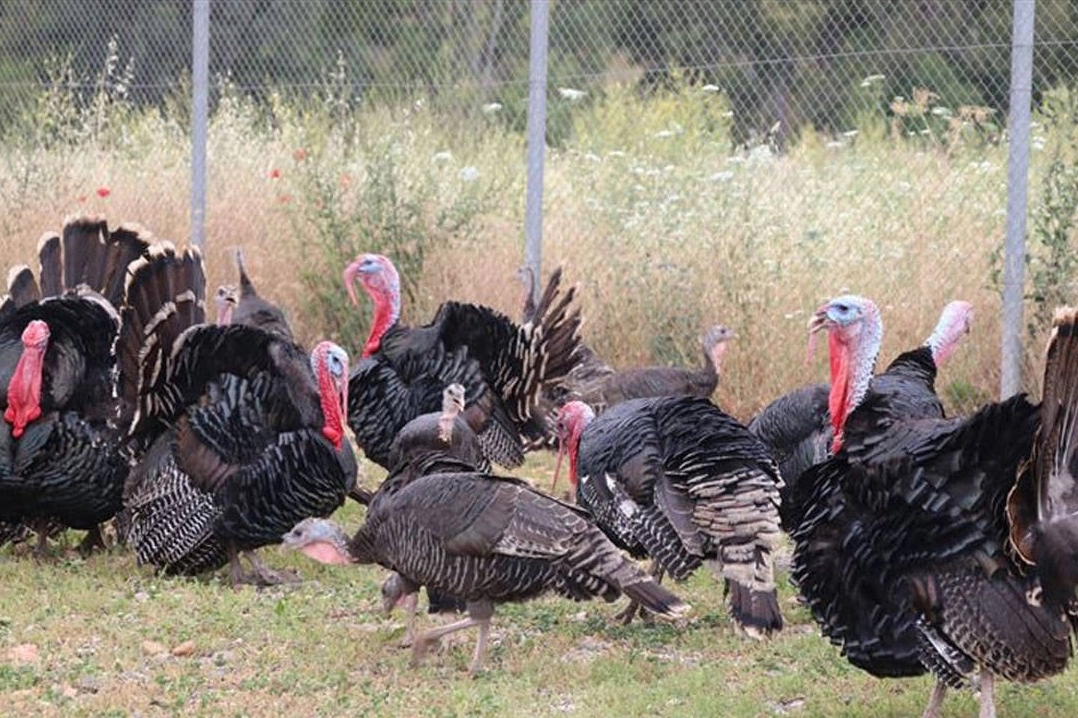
[710, 161]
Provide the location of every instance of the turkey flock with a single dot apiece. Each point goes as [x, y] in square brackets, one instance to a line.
[919, 543]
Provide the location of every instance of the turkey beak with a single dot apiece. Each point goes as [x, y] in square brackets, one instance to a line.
[350, 273]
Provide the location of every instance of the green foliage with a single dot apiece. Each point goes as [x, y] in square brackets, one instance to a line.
[357, 191]
[1051, 255]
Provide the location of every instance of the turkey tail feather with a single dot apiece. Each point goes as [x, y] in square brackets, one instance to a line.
[1054, 537]
[50, 273]
[651, 595]
[165, 295]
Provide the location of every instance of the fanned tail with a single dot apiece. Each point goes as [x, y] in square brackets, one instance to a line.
[1046, 532]
[551, 349]
[165, 294]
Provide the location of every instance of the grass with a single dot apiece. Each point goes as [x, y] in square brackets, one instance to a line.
[103, 630]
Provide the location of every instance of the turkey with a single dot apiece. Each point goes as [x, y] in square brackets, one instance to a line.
[62, 455]
[797, 427]
[485, 538]
[243, 431]
[446, 432]
[503, 366]
[677, 479]
[254, 311]
[943, 544]
[602, 392]
[225, 303]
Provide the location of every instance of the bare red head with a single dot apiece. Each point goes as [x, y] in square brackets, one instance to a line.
[24, 390]
[573, 418]
[330, 365]
[854, 332]
[380, 280]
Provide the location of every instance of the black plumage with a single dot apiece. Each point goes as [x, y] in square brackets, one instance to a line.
[252, 310]
[797, 426]
[62, 445]
[243, 432]
[906, 552]
[679, 480]
[504, 367]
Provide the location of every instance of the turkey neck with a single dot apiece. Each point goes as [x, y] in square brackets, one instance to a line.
[387, 309]
[853, 358]
[24, 390]
[952, 326]
[331, 401]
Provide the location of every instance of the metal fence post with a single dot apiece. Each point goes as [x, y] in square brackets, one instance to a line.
[1018, 126]
[200, 92]
[533, 211]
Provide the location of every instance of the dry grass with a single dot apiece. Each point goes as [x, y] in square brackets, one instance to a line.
[663, 228]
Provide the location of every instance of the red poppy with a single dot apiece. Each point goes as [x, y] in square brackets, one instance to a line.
[275, 173]
[103, 192]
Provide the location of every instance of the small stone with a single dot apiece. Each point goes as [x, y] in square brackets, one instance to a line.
[24, 653]
[153, 648]
[186, 648]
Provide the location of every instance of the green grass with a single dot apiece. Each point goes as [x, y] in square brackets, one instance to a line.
[322, 648]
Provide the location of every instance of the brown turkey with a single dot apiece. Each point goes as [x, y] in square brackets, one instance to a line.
[504, 367]
[678, 480]
[446, 432]
[602, 392]
[487, 539]
[943, 544]
[797, 426]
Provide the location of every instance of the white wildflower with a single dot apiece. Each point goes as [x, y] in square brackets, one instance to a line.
[491, 107]
[710, 88]
[469, 174]
[571, 94]
[443, 156]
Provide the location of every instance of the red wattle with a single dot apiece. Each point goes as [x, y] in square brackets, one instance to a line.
[840, 386]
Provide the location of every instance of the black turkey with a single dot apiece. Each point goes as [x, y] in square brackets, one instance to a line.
[504, 367]
[62, 448]
[244, 433]
[485, 538]
[679, 480]
[254, 311]
[797, 426]
[943, 544]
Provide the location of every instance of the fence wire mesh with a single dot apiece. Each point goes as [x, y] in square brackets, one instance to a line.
[733, 161]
